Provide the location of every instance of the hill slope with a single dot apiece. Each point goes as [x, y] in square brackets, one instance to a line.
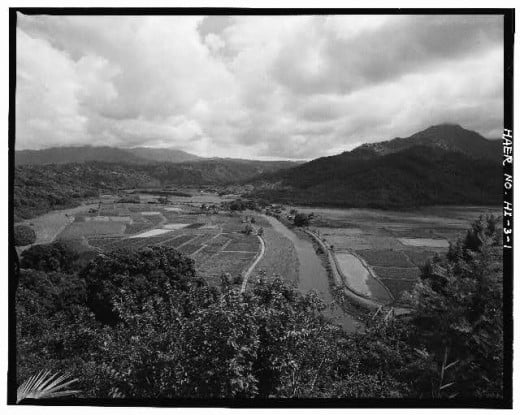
[162, 154]
[40, 188]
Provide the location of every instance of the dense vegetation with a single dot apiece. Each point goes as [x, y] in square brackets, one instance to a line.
[38, 189]
[142, 325]
[24, 235]
[416, 176]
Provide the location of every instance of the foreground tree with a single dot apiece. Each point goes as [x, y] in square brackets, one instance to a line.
[458, 312]
[58, 257]
[144, 274]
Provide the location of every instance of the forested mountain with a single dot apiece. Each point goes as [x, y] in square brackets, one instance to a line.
[441, 165]
[40, 188]
[213, 171]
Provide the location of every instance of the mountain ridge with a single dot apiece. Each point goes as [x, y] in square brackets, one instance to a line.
[133, 155]
[434, 169]
[80, 154]
[450, 137]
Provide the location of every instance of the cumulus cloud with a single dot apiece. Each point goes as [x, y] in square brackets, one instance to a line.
[253, 86]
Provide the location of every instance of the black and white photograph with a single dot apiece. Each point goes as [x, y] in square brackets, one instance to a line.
[261, 207]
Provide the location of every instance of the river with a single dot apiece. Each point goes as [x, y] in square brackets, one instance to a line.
[313, 276]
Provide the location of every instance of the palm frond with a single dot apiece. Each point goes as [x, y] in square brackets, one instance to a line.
[45, 385]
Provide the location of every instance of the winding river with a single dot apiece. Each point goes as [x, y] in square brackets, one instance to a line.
[313, 276]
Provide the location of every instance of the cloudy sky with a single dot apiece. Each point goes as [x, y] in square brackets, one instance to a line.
[254, 87]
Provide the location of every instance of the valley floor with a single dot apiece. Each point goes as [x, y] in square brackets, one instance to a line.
[375, 254]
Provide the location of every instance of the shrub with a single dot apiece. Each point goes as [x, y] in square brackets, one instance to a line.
[24, 235]
[301, 219]
[458, 305]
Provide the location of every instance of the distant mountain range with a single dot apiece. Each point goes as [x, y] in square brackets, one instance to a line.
[136, 155]
[444, 164]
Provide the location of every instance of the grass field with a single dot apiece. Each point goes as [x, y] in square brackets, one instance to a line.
[78, 229]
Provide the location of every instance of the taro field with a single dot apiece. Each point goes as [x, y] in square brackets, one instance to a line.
[214, 241]
[395, 245]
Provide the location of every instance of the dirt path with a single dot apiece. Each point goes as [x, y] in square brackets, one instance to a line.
[255, 262]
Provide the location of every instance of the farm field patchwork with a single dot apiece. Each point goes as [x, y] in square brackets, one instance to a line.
[215, 241]
[394, 244]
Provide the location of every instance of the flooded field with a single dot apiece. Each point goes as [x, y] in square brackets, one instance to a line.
[150, 233]
[360, 279]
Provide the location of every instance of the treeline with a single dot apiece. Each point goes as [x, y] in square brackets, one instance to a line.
[418, 176]
[39, 189]
[144, 325]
